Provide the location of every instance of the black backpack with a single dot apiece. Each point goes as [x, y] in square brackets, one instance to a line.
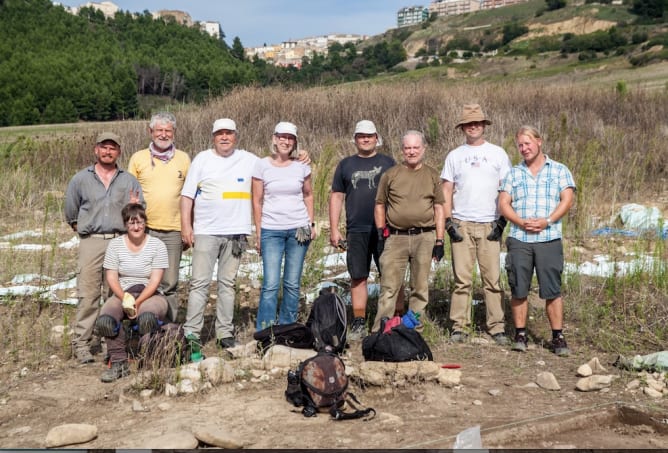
[400, 344]
[321, 384]
[295, 335]
[328, 322]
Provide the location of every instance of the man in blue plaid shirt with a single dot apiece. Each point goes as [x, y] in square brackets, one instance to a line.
[534, 196]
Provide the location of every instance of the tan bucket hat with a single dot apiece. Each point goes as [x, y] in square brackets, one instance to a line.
[471, 113]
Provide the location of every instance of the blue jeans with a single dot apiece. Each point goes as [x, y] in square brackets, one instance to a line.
[277, 244]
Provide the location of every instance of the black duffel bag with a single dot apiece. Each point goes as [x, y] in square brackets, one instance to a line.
[295, 335]
[400, 344]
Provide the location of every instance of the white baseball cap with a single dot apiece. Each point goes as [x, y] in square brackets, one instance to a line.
[285, 127]
[224, 123]
[367, 127]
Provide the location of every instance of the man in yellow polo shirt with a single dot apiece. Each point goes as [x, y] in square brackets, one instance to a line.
[161, 170]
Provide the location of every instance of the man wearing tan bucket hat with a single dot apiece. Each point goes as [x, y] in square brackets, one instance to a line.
[471, 176]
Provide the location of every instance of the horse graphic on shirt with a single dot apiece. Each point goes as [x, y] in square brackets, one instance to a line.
[369, 175]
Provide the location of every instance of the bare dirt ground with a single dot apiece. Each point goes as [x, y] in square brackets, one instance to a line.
[418, 415]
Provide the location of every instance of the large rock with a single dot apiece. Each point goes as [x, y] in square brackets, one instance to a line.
[649, 391]
[173, 440]
[284, 356]
[595, 382]
[216, 370]
[383, 373]
[217, 437]
[547, 381]
[449, 378]
[70, 434]
[190, 371]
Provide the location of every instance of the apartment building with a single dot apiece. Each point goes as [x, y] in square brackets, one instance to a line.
[410, 15]
[453, 7]
[290, 53]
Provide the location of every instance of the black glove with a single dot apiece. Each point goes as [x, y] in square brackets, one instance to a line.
[497, 229]
[437, 251]
[383, 233]
[453, 230]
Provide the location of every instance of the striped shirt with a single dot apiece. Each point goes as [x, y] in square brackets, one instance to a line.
[134, 268]
[536, 197]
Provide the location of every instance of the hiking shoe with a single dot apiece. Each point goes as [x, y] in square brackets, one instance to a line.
[357, 329]
[106, 326]
[559, 346]
[521, 343]
[147, 322]
[116, 371]
[226, 343]
[84, 356]
[501, 339]
[458, 337]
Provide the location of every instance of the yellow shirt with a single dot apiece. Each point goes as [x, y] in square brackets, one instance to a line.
[161, 183]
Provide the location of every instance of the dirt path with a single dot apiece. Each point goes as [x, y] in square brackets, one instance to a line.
[419, 415]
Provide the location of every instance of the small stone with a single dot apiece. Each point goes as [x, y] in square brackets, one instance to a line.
[585, 370]
[540, 363]
[596, 366]
[146, 394]
[651, 392]
[185, 386]
[70, 434]
[634, 384]
[477, 403]
[547, 381]
[656, 385]
[23, 372]
[595, 382]
[605, 390]
[217, 437]
[387, 418]
[449, 378]
[164, 407]
[138, 407]
[494, 392]
[171, 390]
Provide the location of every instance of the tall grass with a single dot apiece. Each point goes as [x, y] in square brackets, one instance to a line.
[614, 145]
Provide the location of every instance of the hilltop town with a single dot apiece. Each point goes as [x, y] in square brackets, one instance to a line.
[291, 52]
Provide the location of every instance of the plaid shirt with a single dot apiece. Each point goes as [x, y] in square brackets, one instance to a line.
[537, 197]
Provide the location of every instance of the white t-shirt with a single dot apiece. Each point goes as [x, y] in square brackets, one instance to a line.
[134, 268]
[476, 172]
[283, 205]
[221, 188]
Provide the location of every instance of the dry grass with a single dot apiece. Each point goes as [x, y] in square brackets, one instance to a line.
[614, 144]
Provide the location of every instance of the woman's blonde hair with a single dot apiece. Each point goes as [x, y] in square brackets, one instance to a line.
[531, 131]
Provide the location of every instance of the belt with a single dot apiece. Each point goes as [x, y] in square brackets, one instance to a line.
[412, 231]
[100, 235]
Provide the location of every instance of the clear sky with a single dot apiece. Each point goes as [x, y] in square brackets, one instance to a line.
[258, 22]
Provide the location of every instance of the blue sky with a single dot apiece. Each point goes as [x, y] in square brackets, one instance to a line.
[257, 22]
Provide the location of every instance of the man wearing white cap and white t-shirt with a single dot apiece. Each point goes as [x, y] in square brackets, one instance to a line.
[355, 182]
[215, 220]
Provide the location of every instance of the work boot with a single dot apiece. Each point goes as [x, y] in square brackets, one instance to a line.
[357, 329]
[83, 355]
[116, 371]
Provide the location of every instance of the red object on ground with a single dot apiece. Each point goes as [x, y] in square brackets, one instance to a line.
[451, 366]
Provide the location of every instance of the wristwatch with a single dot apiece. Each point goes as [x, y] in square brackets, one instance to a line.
[549, 221]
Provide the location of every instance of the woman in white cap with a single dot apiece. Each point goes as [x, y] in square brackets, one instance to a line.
[283, 215]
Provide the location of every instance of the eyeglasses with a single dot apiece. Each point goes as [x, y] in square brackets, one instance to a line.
[137, 223]
[287, 137]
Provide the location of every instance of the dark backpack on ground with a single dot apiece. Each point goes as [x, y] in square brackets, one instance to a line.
[328, 322]
[401, 344]
[320, 384]
[295, 335]
[165, 348]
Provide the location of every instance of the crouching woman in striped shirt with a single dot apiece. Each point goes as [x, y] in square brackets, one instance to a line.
[133, 265]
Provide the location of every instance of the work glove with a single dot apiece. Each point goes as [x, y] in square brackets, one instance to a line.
[239, 245]
[129, 305]
[497, 229]
[303, 234]
[453, 230]
[383, 233]
[437, 251]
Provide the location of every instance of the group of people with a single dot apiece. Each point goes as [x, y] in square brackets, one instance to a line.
[134, 225]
